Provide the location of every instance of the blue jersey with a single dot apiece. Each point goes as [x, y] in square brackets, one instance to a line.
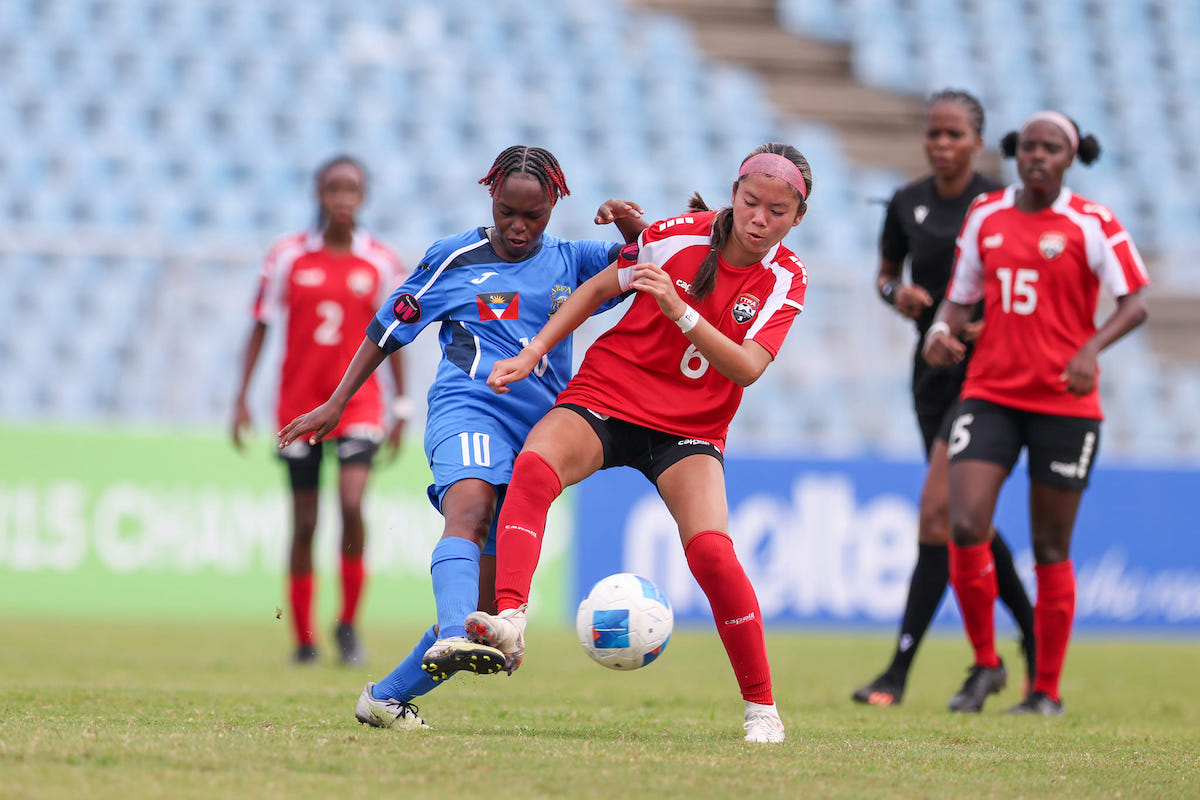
[489, 309]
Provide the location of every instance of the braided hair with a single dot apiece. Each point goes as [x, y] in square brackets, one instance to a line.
[323, 171]
[523, 159]
[1088, 151]
[706, 276]
[968, 101]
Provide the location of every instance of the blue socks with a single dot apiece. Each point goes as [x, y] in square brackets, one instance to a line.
[455, 570]
[408, 680]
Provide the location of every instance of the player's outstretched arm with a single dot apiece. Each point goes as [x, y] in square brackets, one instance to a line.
[626, 214]
[324, 418]
[582, 303]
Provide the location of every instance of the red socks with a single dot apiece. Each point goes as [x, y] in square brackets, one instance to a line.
[531, 490]
[1053, 614]
[354, 575]
[300, 594]
[715, 566]
[973, 576]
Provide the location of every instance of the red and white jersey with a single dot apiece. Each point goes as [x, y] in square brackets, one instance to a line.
[646, 371]
[1039, 276]
[328, 299]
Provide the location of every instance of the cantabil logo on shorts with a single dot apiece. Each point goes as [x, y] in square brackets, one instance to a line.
[558, 296]
[745, 308]
[498, 305]
[1052, 244]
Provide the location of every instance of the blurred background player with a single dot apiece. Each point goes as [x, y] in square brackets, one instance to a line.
[922, 222]
[660, 399]
[1037, 254]
[491, 289]
[327, 283]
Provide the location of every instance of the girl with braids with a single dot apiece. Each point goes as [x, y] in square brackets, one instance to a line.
[715, 293]
[491, 289]
[922, 220]
[327, 283]
[1037, 254]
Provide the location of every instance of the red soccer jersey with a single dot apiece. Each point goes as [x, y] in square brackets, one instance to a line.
[646, 371]
[328, 299]
[1039, 275]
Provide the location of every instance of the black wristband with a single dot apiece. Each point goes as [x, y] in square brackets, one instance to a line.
[888, 292]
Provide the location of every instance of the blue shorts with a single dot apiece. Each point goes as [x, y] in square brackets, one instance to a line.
[481, 455]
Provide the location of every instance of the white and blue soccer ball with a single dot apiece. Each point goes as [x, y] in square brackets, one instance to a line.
[625, 622]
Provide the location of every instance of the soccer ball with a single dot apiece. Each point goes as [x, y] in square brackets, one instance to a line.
[625, 622]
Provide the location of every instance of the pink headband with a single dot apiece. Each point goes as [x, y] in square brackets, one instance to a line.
[1059, 121]
[776, 166]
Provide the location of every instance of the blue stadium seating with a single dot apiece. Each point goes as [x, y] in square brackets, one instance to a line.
[156, 148]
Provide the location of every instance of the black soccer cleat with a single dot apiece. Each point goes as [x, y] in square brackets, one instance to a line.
[1039, 703]
[350, 651]
[980, 682]
[305, 654]
[883, 691]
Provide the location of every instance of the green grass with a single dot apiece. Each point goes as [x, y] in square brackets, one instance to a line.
[186, 711]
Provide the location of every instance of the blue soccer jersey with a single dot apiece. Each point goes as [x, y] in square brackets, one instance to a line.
[489, 309]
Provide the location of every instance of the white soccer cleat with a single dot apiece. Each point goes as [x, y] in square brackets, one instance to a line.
[504, 631]
[386, 713]
[763, 724]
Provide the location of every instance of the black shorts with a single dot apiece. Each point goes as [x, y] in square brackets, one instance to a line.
[935, 426]
[1061, 449]
[304, 460]
[647, 450]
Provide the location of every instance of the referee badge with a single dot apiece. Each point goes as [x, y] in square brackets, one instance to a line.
[1052, 244]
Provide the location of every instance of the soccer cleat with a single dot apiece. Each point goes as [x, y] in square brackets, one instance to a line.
[763, 725]
[882, 692]
[305, 654]
[352, 653]
[386, 713]
[448, 656]
[980, 682]
[504, 631]
[1039, 703]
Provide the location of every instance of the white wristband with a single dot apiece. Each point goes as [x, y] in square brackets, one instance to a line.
[688, 320]
[938, 327]
[401, 407]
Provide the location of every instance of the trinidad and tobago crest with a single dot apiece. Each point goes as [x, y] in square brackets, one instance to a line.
[1051, 244]
[745, 308]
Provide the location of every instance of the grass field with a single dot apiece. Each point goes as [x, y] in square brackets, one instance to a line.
[186, 711]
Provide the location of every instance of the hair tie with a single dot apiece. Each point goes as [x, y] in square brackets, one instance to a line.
[776, 166]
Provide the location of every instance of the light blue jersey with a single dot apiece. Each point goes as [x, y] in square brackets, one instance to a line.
[489, 309]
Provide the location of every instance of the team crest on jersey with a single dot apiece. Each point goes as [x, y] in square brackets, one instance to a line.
[558, 296]
[360, 282]
[407, 309]
[745, 308]
[1052, 244]
[498, 305]
[920, 213]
